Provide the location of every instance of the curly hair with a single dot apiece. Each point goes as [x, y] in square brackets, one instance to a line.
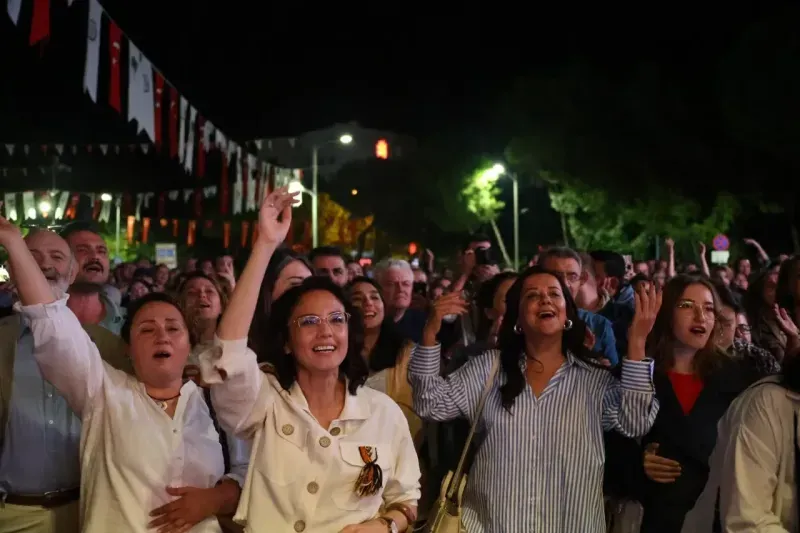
[276, 337]
[512, 344]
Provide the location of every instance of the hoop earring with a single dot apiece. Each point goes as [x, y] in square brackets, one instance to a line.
[568, 325]
[517, 329]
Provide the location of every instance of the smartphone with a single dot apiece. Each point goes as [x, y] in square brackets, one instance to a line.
[415, 262]
[420, 287]
[483, 256]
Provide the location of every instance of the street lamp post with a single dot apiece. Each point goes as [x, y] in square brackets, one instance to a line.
[343, 139]
[106, 197]
[500, 169]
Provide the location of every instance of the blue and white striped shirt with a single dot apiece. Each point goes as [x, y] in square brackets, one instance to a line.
[539, 468]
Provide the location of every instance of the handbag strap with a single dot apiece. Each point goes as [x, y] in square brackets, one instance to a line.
[487, 388]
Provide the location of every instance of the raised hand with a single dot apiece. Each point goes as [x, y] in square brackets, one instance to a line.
[8, 232]
[449, 304]
[275, 216]
[647, 305]
[785, 322]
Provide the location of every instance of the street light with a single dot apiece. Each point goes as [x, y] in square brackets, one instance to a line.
[105, 197]
[499, 170]
[343, 139]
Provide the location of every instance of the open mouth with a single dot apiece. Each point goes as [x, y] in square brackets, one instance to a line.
[544, 315]
[370, 314]
[94, 268]
[204, 305]
[698, 330]
[162, 355]
[325, 348]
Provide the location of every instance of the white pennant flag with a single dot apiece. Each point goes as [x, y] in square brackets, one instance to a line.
[188, 163]
[29, 205]
[187, 195]
[140, 91]
[139, 201]
[14, 7]
[93, 49]
[252, 163]
[182, 133]
[10, 205]
[173, 195]
[60, 149]
[208, 131]
[105, 212]
[104, 148]
[10, 148]
[61, 206]
[237, 185]
[145, 148]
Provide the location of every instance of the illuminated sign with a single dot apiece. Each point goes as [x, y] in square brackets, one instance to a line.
[382, 149]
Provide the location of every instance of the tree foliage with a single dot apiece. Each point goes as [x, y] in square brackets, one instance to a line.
[656, 150]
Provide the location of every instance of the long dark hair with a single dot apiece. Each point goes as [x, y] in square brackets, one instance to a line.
[784, 292]
[387, 349]
[512, 344]
[661, 341]
[276, 336]
[484, 301]
[280, 260]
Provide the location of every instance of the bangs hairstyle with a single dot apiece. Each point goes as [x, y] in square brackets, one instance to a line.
[276, 337]
[223, 296]
[387, 349]
[661, 341]
[137, 305]
[512, 344]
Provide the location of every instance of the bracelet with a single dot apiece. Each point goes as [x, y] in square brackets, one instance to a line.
[408, 512]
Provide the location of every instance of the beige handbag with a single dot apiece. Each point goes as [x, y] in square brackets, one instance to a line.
[445, 517]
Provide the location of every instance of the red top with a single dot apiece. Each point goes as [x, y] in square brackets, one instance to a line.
[687, 388]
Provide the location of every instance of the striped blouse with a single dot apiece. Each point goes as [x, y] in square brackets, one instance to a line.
[539, 468]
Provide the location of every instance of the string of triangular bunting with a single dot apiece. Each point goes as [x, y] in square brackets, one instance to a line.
[183, 132]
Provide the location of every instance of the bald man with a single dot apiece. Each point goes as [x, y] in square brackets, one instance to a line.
[39, 433]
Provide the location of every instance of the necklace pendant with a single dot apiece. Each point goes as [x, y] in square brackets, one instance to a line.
[163, 405]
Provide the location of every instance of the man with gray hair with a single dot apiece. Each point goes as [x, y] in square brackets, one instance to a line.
[39, 433]
[396, 279]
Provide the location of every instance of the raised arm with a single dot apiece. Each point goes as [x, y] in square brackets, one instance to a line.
[457, 395]
[66, 355]
[237, 385]
[629, 405]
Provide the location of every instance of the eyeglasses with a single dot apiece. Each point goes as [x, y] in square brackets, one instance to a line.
[336, 320]
[744, 328]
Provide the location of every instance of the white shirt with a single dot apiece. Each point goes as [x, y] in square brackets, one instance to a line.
[131, 450]
[302, 475]
[753, 465]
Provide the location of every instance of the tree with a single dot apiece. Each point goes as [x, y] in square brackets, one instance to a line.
[596, 221]
[482, 197]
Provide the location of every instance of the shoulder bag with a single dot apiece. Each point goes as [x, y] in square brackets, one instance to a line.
[446, 512]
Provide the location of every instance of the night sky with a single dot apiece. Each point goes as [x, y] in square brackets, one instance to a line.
[288, 68]
[283, 70]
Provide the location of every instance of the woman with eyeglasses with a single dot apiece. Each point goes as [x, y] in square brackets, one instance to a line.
[329, 455]
[696, 381]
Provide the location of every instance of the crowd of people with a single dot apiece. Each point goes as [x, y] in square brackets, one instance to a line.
[310, 393]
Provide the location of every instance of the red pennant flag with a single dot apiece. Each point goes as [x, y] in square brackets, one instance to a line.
[159, 96]
[173, 122]
[40, 26]
[224, 198]
[201, 147]
[115, 54]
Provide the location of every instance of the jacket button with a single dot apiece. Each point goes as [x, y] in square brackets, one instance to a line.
[312, 487]
[324, 442]
[335, 431]
[299, 526]
[287, 429]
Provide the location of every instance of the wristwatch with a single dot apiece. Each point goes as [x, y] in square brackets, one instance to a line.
[391, 524]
